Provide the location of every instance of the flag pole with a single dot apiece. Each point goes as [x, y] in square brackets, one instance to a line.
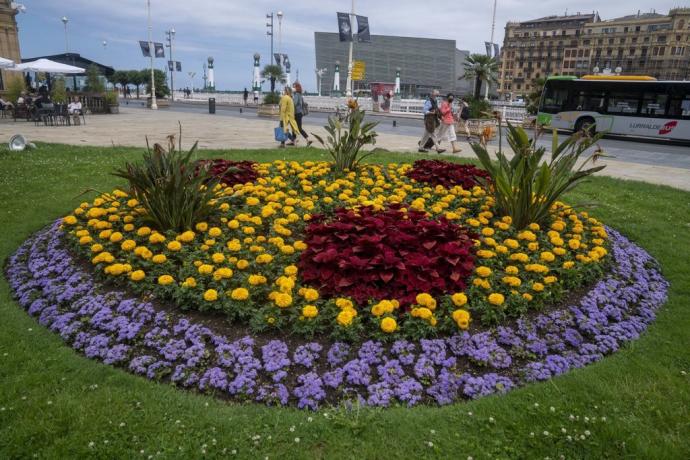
[493, 26]
[348, 84]
[154, 105]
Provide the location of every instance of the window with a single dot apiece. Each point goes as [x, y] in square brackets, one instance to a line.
[625, 29]
[623, 103]
[637, 28]
[654, 104]
[554, 99]
[611, 40]
[646, 39]
[591, 101]
[644, 51]
[661, 39]
[634, 39]
[679, 106]
[632, 51]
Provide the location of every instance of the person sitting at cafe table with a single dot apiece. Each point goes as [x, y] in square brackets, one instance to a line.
[74, 109]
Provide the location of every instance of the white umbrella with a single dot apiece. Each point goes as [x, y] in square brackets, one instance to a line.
[6, 63]
[47, 66]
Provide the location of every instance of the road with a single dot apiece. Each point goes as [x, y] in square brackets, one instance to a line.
[643, 152]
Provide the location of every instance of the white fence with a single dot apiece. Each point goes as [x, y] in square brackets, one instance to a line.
[510, 111]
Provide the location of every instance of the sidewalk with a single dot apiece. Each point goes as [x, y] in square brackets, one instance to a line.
[131, 127]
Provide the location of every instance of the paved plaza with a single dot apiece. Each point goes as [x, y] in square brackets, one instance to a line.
[133, 125]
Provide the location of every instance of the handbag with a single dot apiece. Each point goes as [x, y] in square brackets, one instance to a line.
[279, 134]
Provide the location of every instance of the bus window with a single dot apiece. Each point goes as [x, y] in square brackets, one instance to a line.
[679, 107]
[591, 101]
[623, 103]
[554, 99]
[654, 104]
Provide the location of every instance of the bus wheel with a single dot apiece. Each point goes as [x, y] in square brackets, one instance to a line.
[586, 125]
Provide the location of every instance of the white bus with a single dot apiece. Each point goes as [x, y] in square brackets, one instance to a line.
[621, 105]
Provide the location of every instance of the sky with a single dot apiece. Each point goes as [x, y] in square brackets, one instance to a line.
[233, 30]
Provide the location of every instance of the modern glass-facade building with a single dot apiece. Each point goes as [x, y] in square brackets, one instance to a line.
[424, 63]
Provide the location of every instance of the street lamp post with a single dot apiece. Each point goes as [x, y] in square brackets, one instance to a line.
[269, 32]
[348, 84]
[280, 33]
[154, 105]
[171, 38]
[65, 21]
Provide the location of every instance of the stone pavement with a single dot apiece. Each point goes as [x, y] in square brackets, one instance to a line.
[131, 127]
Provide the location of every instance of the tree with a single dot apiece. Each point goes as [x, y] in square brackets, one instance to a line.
[534, 96]
[136, 78]
[480, 68]
[121, 77]
[274, 73]
[59, 93]
[15, 86]
[160, 79]
[94, 83]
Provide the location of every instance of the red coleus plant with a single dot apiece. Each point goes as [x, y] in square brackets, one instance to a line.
[448, 174]
[231, 172]
[387, 254]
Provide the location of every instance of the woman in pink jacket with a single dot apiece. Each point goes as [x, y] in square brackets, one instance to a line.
[447, 129]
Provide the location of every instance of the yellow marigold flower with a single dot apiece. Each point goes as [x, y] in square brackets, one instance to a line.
[422, 312]
[201, 227]
[187, 237]
[487, 231]
[345, 317]
[159, 259]
[512, 270]
[234, 224]
[189, 282]
[242, 264]
[550, 279]
[547, 256]
[310, 295]
[527, 296]
[234, 245]
[116, 237]
[137, 275]
[215, 232]
[105, 234]
[534, 227]
[256, 280]
[507, 219]
[114, 269]
[462, 319]
[310, 311]
[239, 294]
[558, 226]
[165, 280]
[388, 325]
[527, 235]
[205, 269]
[290, 270]
[174, 246]
[252, 201]
[264, 259]
[424, 299]
[218, 258]
[559, 251]
[283, 300]
[211, 295]
[287, 249]
[459, 299]
[512, 281]
[69, 220]
[84, 240]
[144, 231]
[128, 227]
[96, 247]
[222, 273]
[343, 303]
[537, 287]
[496, 299]
[483, 271]
[600, 251]
[533, 246]
[574, 244]
[132, 203]
[156, 238]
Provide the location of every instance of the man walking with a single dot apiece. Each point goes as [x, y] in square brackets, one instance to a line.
[431, 123]
[245, 96]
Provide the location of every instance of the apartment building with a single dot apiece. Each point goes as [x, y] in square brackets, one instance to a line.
[640, 44]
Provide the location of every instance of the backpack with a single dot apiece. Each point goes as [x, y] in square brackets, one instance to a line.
[305, 108]
[465, 113]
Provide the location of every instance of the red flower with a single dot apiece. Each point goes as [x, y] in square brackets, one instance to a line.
[387, 254]
[231, 172]
[437, 172]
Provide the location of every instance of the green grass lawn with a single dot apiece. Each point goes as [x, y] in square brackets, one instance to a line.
[55, 403]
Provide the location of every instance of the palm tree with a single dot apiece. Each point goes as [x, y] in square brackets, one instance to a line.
[534, 97]
[274, 73]
[480, 68]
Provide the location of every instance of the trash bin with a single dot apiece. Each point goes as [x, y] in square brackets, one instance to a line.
[211, 105]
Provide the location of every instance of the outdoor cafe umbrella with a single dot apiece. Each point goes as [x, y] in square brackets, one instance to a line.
[6, 63]
[47, 66]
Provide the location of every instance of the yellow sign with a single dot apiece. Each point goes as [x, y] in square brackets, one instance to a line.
[358, 70]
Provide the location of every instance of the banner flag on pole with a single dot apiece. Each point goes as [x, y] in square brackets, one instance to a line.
[159, 49]
[178, 66]
[145, 48]
[496, 50]
[488, 48]
[344, 27]
[279, 59]
[363, 29]
[170, 66]
[286, 63]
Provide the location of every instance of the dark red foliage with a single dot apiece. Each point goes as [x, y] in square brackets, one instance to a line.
[231, 172]
[383, 255]
[437, 172]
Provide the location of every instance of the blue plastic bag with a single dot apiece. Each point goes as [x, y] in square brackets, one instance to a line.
[280, 134]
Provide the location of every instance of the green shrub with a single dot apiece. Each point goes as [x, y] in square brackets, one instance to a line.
[524, 187]
[15, 87]
[345, 144]
[479, 108]
[175, 191]
[111, 98]
[271, 98]
[94, 82]
[59, 93]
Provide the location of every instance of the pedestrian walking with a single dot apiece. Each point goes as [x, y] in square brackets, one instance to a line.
[446, 131]
[464, 116]
[431, 123]
[245, 96]
[300, 109]
[287, 117]
[256, 97]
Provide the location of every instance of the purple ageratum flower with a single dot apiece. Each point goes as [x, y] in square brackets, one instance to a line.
[116, 354]
[276, 394]
[484, 385]
[158, 370]
[333, 378]
[606, 343]
[310, 391]
[409, 391]
[536, 371]
[98, 346]
[214, 378]
[424, 368]
[140, 364]
[391, 372]
[572, 337]
[405, 352]
[173, 349]
[556, 364]
[445, 388]
[275, 357]
[306, 355]
[338, 353]
[371, 352]
[380, 394]
[357, 372]
[434, 350]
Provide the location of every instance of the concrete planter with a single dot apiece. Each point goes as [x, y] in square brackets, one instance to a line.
[161, 103]
[268, 110]
[114, 108]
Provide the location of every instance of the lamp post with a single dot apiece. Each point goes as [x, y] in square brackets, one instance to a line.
[348, 83]
[280, 32]
[319, 77]
[170, 34]
[154, 105]
[65, 21]
[269, 32]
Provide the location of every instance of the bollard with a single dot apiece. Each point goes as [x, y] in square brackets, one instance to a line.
[240, 109]
[211, 105]
[395, 123]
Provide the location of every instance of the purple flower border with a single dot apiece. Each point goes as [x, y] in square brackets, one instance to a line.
[109, 326]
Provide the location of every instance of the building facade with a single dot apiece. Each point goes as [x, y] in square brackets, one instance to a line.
[425, 63]
[642, 44]
[9, 39]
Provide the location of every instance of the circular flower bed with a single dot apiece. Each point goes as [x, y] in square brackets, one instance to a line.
[371, 254]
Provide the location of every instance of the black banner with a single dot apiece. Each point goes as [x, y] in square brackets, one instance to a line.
[363, 29]
[170, 66]
[496, 50]
[159, 49]
[344, 27]
[145, 48]
[178, 66]
[488, 48]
